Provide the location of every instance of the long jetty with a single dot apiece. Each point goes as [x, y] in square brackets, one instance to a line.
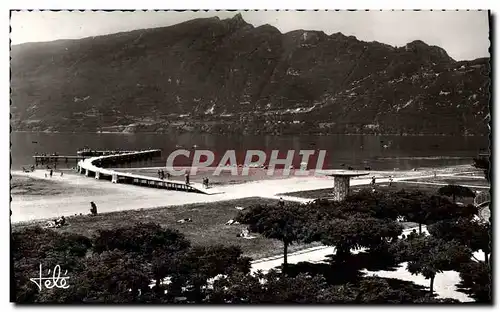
[92, 167]
[80, 155]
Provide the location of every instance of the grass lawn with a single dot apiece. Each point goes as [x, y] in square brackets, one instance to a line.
[208, 226]
[25, 185]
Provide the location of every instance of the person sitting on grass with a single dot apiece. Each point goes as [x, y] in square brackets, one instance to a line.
[60, 222]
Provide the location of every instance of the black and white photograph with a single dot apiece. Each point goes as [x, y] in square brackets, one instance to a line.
[251, 157]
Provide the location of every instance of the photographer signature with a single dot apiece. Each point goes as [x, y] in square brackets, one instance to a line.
[50, 282]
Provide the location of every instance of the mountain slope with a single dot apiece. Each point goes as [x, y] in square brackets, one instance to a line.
[228, 76]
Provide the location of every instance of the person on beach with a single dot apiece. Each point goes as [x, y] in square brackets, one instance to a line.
[159, 174]
[93, 209]
[45, 174]
[281, 202]
[373, 181]
[390, 180]
[187, 178]
[51, 172]
[206, 182]
[61, 173]
[168, 175]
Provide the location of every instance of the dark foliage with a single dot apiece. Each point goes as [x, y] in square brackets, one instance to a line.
[424, 209]
[483, 163]
[34, 246]
[355, 232]
[305, 288]
[476, 281]
[143, 239]
[471, 233]
[455, 191]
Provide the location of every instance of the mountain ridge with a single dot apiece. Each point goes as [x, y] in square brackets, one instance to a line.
[221, 76]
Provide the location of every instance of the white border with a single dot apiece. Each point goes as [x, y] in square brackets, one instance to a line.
[189, 4]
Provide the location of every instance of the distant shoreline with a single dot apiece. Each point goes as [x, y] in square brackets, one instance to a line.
[263, 134]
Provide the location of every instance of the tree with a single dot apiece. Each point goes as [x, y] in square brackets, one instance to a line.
[286, 223]
[148, 241]
[354, 232]
[471, 233]
[192, 270]
[109, 277]
[34, 246]
[423, 209]
[143, 239]
[382, 205]
[428, 255]
[475, 281]
[456, 191]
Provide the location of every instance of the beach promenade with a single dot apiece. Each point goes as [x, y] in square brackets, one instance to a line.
[76, 191]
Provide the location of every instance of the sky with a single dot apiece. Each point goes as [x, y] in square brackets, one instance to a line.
[463, 34]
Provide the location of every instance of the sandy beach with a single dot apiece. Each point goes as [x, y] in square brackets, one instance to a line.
[71, 193]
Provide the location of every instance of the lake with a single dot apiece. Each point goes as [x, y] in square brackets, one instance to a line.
[358, 151]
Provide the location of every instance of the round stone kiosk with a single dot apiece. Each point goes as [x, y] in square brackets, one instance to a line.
[341, 182]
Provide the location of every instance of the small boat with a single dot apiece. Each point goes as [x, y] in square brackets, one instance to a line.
[34, 142]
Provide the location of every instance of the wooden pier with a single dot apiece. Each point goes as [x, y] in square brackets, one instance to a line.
[46, 159]
[94, 167]
[91, 153]
[84, 154]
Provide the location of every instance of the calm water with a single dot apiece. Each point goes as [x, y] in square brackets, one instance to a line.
[403, 152]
